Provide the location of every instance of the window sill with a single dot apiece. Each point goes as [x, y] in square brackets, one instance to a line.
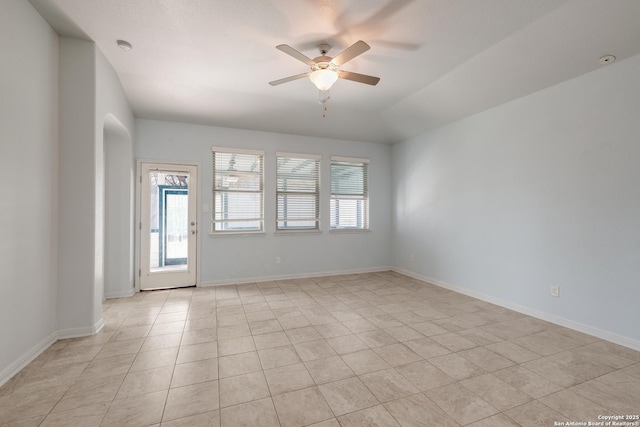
[294, 232]
[350, 230]
[236, 233]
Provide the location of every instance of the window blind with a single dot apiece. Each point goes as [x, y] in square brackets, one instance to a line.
[238, 190]
[349, 206]
[297, 191]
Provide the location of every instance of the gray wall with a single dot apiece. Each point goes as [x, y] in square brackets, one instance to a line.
[92, 105]
[77, 261]
[60, 97]
[29, 190]
[541, 191]
[114, 134]
[245, 258]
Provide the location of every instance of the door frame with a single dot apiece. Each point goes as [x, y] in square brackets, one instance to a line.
[138, 217]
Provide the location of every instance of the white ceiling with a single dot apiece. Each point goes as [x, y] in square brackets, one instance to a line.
[209, 61]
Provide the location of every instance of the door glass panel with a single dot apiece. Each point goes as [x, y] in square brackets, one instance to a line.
[169, 221]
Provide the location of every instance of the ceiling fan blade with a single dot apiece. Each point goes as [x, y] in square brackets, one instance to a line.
[288, 79]
[292, 52]
[351, 52]
[360, 78]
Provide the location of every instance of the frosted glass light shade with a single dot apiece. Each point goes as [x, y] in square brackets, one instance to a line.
[323, 79]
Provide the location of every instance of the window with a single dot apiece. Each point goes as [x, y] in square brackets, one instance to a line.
[349, 194]
[297, 191]
[237, 190]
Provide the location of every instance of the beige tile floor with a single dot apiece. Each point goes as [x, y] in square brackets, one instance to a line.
[378, 349]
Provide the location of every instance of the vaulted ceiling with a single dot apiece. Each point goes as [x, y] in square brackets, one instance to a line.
[210, 61]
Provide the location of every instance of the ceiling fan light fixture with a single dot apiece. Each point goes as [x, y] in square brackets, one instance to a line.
[323, 78]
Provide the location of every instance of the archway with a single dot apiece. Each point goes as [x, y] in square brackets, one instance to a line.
[118, 210]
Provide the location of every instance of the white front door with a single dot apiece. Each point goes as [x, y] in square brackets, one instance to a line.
[168, 225]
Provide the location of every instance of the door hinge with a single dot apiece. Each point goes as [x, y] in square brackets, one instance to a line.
[140, 225]
[139, 272]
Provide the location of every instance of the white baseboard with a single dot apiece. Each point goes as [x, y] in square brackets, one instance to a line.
[26, 358]
[120, 294]
[37, 350]
[552, 318]
[241, 280]
[98, 326]
[80, 332]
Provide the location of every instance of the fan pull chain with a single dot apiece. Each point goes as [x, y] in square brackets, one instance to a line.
[323, 98]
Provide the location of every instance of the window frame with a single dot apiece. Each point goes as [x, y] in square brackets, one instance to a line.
[316, 158]
[337, 197]
[260, 192]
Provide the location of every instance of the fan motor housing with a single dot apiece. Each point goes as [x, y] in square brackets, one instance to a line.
[323, 63]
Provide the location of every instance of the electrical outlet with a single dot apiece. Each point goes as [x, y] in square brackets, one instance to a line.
[278, 260]
[555, 291]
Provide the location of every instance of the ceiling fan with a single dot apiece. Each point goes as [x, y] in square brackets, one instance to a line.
[325, 70]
